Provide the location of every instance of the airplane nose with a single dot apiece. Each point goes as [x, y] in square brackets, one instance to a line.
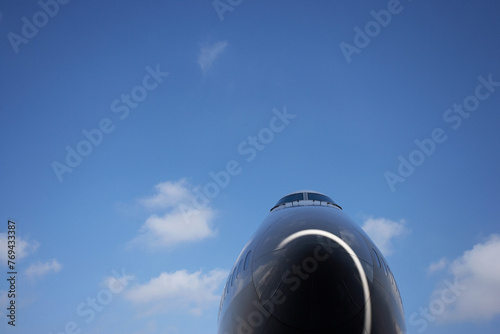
[312, 280]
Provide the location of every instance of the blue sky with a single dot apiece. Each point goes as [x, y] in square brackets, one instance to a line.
[118, 117]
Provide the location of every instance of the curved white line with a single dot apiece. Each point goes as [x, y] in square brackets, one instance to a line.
[364, 281]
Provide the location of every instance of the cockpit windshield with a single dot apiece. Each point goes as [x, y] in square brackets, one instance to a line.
[291, 198]
[319, 197]
[311, 197]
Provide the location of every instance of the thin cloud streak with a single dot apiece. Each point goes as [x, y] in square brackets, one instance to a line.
[437, 266]
[41, 269]
[209, 53]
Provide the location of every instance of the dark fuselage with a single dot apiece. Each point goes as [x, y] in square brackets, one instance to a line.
[310, 269]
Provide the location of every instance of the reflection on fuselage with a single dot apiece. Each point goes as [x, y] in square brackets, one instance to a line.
[310, 269]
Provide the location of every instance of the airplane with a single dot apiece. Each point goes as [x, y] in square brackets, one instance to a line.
[310, 269]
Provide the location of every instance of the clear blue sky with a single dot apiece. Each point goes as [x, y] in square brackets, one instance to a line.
[114, 114]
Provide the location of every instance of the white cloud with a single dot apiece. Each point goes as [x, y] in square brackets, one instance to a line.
[209, 53]
[22, 248]
[477, 272]
[382, 231]
[168, 194]
[41, 269]
[172, 229]
[185, 219]
[437, 266]
[118, 282]
[180, 290]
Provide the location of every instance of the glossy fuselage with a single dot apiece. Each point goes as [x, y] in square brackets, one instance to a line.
[302, 272]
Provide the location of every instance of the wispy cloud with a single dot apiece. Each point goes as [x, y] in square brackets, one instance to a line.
[22, 248]
[43, 268]
[171, 228]
[437, 266]
[477, 271]
[180, 290]
[183, 221]
[383, 231]
[209, 53]
[118, 282]
[168, 194]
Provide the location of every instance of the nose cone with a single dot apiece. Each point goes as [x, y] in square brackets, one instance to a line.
[312, 280]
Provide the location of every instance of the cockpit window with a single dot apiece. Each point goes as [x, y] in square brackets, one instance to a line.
[319, 197]
[291, 198]
[305, 198]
